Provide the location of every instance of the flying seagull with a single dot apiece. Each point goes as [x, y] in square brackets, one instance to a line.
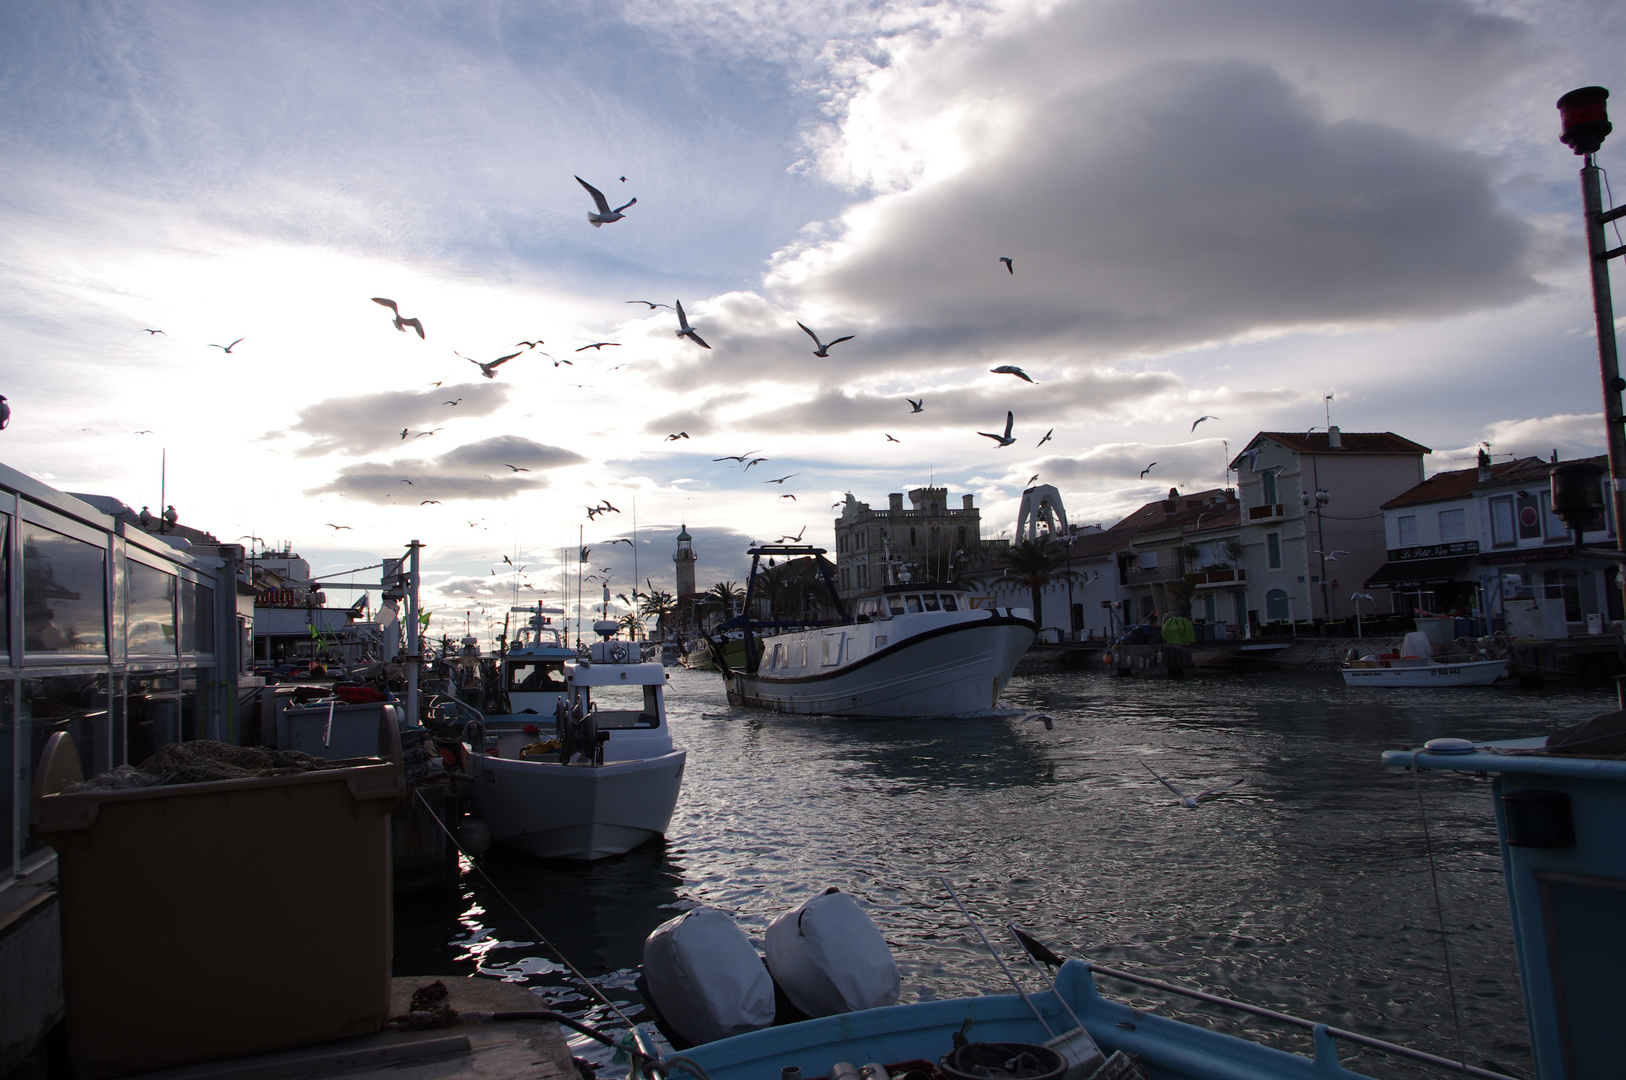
[1046, 719]
[622, 540]
[1005, 439]
[599, 345]
[1031, 479]
[1332, 556]
[334, 527]
[516, 468]
[651, 303]
[1190, 801]
[607, 508]
[782, 479]
[451, 402]
[916, 406]
[227, 348]
[686, 330]
[823, 346]
[735, 457]
[788, 495]
[431, 431]
[1200, 419]
[1006, 260]
[1146, 470]
[406, 482]
[891, 439]
[1011, 369]
[679, 435]
[531, 344]
[143, 431]
[488, 370]
[400, 323]
[404, 433]
[797, 539]
[144, 330]
[1047, 435]
[428, 502]
[753, 461]
[605, 215]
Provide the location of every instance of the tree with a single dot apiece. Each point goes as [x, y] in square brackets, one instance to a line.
[659, 605]
[726, 593]
[1032, 564]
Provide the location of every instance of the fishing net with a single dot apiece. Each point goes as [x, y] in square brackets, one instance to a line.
[205, 759]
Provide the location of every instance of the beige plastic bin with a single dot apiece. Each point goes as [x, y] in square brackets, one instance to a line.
[208, 921]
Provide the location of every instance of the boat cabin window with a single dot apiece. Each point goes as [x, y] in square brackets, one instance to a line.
[949, 603]
[626, 706]
[537, 676]
[896, 604]
[912, 602]
[931, 601]
[871, 607]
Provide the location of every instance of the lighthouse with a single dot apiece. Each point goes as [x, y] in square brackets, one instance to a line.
[684, 558]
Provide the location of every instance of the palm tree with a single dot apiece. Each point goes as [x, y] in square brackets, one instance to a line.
[726, 593]
[1031, 563]
[660, 606]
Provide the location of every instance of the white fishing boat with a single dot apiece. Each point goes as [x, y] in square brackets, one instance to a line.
[596, 775]
[917, 650]
[1415, 666]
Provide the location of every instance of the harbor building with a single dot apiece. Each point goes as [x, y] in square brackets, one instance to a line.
[1311, 525]
[928, 541]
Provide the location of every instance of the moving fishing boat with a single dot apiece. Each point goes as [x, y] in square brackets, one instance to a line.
[917, 650]
[1415, 666]
[595, 776]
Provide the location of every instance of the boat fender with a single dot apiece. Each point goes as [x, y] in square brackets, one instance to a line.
[474, 835]
[829, 957]
[705, 978]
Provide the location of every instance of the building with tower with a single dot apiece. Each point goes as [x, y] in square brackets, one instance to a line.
[928, 541]
[684, 559]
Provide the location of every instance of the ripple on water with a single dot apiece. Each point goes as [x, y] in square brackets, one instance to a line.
[1304, 889]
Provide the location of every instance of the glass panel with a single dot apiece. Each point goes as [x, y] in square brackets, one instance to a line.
[1453, 525]
[895, 603]
[1273, 550]
[150, 604]
[931, 601]
[1267, 487]
[76, 704]
[541, 677]
[8, 791]
[197, 617]
[912, 602]
[64, 593]
[192, 702]
[950, 603]
[1501, 521]
[1276, 606]
[154, 714]
[1408, 531]
[5, 611]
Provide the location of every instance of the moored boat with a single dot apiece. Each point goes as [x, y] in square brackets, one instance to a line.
[1415, 666]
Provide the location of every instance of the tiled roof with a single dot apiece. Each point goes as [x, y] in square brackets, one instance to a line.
[1459, 482]
[1201, 505]
[1351, 442]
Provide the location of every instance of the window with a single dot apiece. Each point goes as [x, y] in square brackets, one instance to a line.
[894, 604]
[949, 603]
[1453, 525]
[931, 601]
[541, 677]
[1273, 551]
[1552, 524]
[1408, 530]
[8, 743]
[149, 610]
[1277, 606]
[1267, 487]
[911, 536]
[1147, 560]
[76, 704]
[962, 537]
[64, 593]
[1501, 512]
[913, 603]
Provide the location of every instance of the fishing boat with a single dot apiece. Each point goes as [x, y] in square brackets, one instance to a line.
[1416, 666]
[595, 775]
[916, 650]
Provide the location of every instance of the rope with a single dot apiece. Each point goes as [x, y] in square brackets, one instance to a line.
[1439, 917]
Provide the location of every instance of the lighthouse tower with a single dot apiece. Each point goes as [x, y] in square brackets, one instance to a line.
[684, 558]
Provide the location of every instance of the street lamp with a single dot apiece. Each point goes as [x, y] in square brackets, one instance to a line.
[1315, 504]
[1353, 598]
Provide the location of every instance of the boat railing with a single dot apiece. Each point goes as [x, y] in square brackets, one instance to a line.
[446, 709]
[1355, 1037]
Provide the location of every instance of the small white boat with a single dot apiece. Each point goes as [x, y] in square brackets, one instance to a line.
[596, 778]
[1416, 666]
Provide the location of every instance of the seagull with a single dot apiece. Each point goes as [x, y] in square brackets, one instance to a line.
[622, 540]
[334, 527]
[782, 479]
[143, 431]
[916, 406]
[1011, 369]
[686, 330]
[1046, 719]
[679, 435]
[788, 495]
[431, 431]
[797, 539]
[400, 323]
[453, 403]
[599, 345]
[531, 344]
[754, 461]
[1146, 470]
[516, 468]
[1200, 419]
[435, 385]
[490, 370]
[605, 215]
[1190, 801]
[1005, 439]
[651, 303]
[823, 346]
[1332, 556]
[557, 362]
[1006, 260]
[227, 348]
[891, 439]
[406, 482]
[404, 433]
[144, 330]
[1031, 479]
[1047, 435]
[605, 506]
[429, 502]
[735, 457]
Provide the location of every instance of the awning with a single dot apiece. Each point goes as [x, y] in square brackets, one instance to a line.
[1419, 572]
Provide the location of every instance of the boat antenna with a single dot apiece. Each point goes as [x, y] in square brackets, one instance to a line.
[637, 623]
[1000, 960]
[1439, 917]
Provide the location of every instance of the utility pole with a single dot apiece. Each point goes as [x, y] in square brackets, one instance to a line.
[1585, 117]
[414, 637]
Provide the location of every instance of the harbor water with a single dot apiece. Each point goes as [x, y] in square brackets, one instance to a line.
[1306, 888]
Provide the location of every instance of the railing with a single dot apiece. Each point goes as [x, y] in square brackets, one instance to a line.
[1265, 513]
[1220, 576]
[1151, 575]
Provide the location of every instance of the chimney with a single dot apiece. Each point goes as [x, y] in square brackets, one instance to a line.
[965, 502]
[1484, 467]
[1171, 505]
[1335, 438]
[895, 501]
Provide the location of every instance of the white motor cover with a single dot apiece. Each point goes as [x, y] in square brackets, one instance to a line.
[1415, 645]
[707, 981]
[829, 957]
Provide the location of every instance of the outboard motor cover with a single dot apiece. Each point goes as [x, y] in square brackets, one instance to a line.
[706, 979]
[829, 957]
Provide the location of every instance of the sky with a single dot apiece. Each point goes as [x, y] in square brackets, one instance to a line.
[1269, 212]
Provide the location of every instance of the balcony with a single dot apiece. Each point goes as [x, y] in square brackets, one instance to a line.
[1259, 514]
[1151, 575]
[1215, 577]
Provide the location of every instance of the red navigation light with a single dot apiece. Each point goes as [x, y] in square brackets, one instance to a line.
[1585, 115]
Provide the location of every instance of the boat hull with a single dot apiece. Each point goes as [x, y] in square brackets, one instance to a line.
[1475, 673]
[578, 811]
[925, 1030]
[952, 670]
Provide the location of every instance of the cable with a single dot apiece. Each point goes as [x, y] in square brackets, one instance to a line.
[1616, 223]
[1439, 916]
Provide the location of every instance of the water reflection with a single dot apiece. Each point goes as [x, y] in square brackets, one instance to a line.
[1305, 889]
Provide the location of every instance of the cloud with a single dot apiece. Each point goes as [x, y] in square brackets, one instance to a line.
[365, 423]
[1571, 435]
[472, 471]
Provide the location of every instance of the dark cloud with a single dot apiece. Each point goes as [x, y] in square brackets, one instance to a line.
[472, 471]
[367, 423]
[1198, 464]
